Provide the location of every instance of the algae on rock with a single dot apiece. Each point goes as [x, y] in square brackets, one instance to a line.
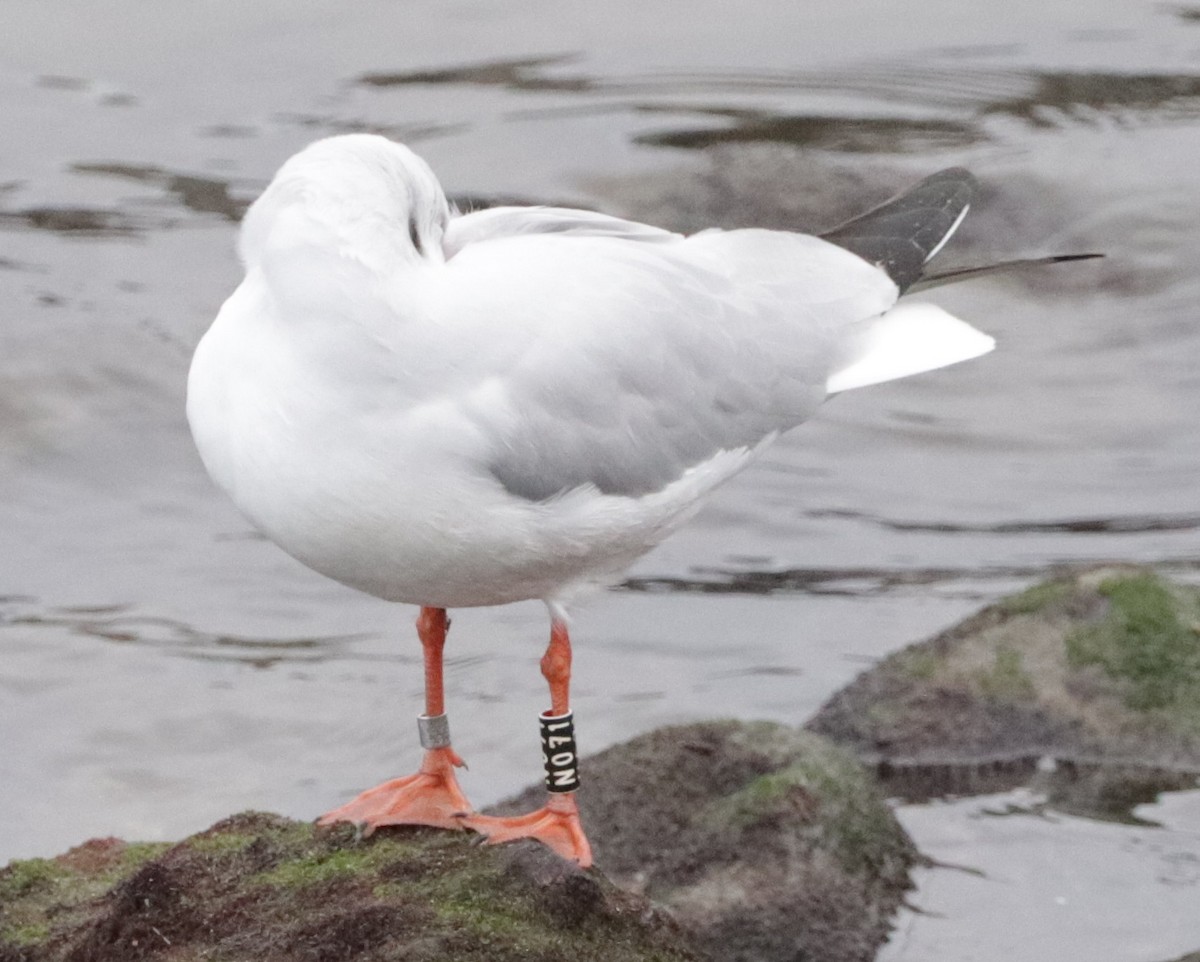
[1094, 674]
[1149, 643]
[766, 842]
[263, 887]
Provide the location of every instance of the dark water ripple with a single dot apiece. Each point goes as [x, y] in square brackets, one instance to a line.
[523, 73]
[85, 221]
[861, 582]
[1040, 98]
[201, 195]
[1130, 524]
[115, 624]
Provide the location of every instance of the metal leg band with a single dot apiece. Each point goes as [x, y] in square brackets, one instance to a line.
[559, 752]
[435, 731]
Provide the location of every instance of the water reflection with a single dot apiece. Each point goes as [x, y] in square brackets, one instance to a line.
[1130, 524]
[524, 73]
[119, 625]
[1040, 98]
[87, 221]
[1109, 92]
[1100, 788]
[867, 581]
[202, 195]
[845, 134]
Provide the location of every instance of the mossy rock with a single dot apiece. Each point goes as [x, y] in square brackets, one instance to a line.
[267, 888]
[766, 843]
[1091, 678]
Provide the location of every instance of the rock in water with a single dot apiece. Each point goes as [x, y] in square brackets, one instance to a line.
[1088, 682]
[766, 843]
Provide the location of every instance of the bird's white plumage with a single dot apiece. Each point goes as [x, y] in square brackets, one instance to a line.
[909, 339]
[465, 410]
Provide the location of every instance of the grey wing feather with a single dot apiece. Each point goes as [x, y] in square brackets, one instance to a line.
[904, 233]
[636, 355]
[498, 222]
[635, 455]
[637, 433]
[547, 462]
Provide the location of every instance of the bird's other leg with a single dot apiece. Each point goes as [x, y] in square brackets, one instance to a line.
[431, 796]
[556, 824]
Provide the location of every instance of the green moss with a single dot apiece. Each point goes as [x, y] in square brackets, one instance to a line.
[919, 664]
[755, 802]
[446, 874]
[475, 898]
[23, 936]
[26, 887]
[409, 887]
[1148, 640]
[221, 843]
[136, 854]
[38, 894]
[315, 868]
[1035, 599]
[860, 828]
[848, 815]
[24, 877]
[1007, 680]
[488, 921]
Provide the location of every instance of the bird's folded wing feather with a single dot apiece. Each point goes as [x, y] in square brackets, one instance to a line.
[903, 234]
[500, 222]
[587, 359]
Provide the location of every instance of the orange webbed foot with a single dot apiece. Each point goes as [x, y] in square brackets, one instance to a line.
[430, 797]
[555, 825]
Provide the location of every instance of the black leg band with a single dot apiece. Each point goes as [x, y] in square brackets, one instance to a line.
[559, 752]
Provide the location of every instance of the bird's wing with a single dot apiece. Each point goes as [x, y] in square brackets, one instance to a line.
[500, 222]
[903, 234]
[591, 360]
[957, 274]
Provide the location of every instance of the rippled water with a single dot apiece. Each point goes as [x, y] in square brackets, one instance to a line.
[161, 666]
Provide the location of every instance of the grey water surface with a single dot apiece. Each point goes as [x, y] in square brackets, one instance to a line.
[161, 665]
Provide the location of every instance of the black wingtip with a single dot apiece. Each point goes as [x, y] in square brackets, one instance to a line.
[902, 234]
[1063, 258]
[957, 274]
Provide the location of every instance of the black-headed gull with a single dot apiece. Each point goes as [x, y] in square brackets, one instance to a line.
[457, 410]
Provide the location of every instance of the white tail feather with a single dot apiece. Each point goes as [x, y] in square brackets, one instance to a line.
[908, 339]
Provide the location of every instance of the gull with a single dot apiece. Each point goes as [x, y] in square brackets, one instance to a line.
[453, 410]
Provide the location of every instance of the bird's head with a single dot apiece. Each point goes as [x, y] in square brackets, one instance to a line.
[365, 196]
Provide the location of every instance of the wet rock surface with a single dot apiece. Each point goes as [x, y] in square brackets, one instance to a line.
[1087, 684]
[264, 887]
[714, 841]
[764, 842]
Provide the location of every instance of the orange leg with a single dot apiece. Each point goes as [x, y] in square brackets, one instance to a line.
[431, 796]
[557, 823]
[556, 668]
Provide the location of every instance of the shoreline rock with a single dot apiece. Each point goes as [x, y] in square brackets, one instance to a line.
[760, 841]
[260, 886]
[1086, 685]
[767, 843]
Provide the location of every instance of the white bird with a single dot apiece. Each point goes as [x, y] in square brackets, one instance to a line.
[473, 409]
